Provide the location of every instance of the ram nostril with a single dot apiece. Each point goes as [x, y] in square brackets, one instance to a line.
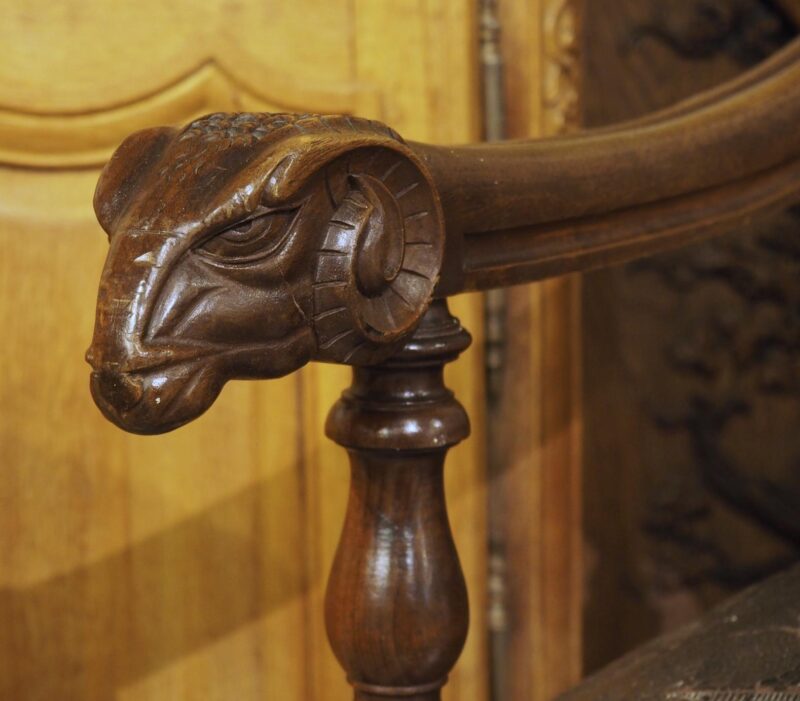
[120, 391]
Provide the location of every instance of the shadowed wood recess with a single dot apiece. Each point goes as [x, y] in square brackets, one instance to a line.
[681, 425]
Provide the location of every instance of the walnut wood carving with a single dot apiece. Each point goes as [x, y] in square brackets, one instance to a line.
[246, 245]
[396, 605]
[527, 210]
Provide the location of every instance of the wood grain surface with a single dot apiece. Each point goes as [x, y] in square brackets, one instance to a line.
[192, 565]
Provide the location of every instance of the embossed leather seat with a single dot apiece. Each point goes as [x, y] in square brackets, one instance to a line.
[747, 649]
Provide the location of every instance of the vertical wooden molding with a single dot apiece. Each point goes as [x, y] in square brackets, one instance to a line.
[562, 556]
[541, 404]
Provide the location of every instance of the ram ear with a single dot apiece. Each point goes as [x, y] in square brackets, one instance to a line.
[380, 257]
[129, 166]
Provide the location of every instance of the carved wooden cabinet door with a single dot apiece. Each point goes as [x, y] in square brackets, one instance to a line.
[190, 565]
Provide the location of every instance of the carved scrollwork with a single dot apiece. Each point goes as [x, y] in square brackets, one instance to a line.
[561, 75]
[746, 30]
[727, 364]
[246, 245]
[368, 286]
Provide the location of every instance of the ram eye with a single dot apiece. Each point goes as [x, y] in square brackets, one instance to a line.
[251, 239]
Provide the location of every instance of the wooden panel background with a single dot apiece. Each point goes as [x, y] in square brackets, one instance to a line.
[191, 565]
[539, 417]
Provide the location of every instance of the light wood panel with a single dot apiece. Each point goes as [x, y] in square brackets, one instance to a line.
[191, 565]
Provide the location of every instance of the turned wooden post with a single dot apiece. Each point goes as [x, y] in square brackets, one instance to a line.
[396, 607]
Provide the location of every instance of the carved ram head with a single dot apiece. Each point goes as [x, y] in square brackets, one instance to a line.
[244, 246]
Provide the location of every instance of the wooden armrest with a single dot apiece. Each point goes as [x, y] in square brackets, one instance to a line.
[525, 210]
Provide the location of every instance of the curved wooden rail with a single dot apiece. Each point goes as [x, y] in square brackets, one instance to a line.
[523, 210]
